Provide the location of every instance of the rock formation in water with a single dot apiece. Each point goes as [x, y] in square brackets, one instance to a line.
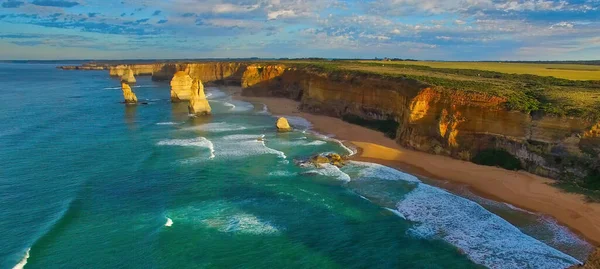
[181, 87]
[128, 94]
[333, 159]
[128, 77]
[283, 125]
[198, 102]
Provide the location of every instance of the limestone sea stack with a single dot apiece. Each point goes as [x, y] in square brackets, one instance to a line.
[181, 87]
[128, 77]
[128, 94]
[283, 125]
[198, 103]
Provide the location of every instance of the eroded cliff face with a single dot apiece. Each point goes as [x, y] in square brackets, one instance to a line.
[198, 103]
[209, 72]
[128, 94]
[181, 87]
[436, 120]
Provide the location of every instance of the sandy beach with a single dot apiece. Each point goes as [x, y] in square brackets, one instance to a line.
[521, 189]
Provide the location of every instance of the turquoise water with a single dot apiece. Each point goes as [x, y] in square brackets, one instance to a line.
[87, 182]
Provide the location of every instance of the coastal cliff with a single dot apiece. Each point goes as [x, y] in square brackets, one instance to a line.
[465, 125]
[229, 73]
[198, 103]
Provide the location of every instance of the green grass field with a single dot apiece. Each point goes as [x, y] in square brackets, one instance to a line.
[525, 86]
[566, 71]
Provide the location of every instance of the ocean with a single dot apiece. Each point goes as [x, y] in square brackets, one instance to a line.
[88, 182]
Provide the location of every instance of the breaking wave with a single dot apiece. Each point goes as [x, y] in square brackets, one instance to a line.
[330, 170]
[23, 262]
[485, 238]
[201, 142]
[217, 127]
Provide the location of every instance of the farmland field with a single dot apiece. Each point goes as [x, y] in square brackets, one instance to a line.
[524, 86]
[566, 71]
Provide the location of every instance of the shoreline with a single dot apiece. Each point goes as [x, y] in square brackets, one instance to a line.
[517, 188]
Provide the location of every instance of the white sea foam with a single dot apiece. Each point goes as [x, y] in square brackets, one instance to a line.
[316, 143]
[329, 138]
[214, 93]
[201, 142]
[250, 224]
[486, 238]
[561, 235]
[396, 212]
[240, 106]
[136, 86]
[265, 110]
[281, 173]
[243, 137]
[373, 170]
[169, 222]
[331, 171]
[216, 127]
[230, 105]
[168, 123]
[23, 261]
[244, 145]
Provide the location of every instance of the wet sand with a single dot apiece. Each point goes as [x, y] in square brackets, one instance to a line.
[521, 189]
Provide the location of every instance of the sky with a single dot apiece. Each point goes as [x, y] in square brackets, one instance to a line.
[416, 29]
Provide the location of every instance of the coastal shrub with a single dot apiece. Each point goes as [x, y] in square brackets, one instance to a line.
[592, 181]
[387, 127]
[497, 157]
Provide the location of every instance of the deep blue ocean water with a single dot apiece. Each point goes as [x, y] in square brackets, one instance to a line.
[88, 182]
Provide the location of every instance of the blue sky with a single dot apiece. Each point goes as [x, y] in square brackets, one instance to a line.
[420, 29]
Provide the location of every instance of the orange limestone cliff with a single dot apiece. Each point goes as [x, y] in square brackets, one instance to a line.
[128, 94]
[181, 87]
[128, 76]
[460, 124]
[198, 103]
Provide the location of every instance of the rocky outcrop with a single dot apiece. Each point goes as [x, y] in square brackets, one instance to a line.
[128, 77]
[128, 94]
[283, 125]
[181, 87]
[333, 159]
[433, 119]
[198, 103]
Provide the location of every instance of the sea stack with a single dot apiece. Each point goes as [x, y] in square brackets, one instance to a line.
[128, 94]
[128, 77]
[181, 87]
[198, 103]
[283, 125]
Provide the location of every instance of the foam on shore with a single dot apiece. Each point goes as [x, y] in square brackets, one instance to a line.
[485, 238]
[330, 170]
[373, 170]
[23, 261]
[245, 145]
